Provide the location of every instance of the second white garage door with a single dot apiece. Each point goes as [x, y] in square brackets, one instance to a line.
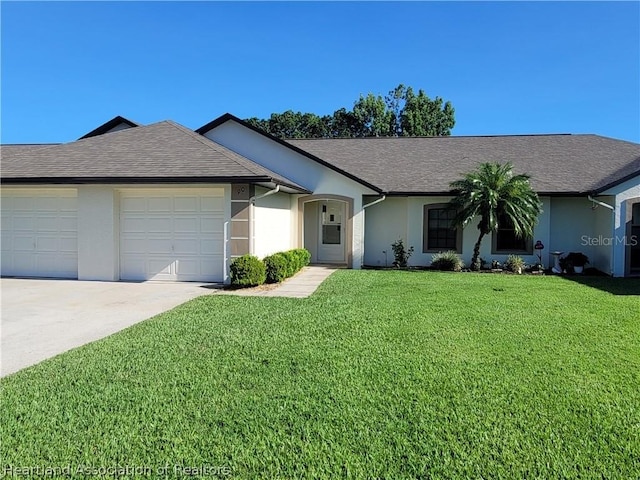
[172, 235]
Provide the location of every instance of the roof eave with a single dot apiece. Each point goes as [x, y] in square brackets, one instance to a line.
[615, 183]
[150, 180]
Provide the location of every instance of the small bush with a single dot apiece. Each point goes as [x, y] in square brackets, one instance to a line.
[283, 265]
[304, 256]
[247, 271]
[276, 266]
[292, 262]
[514, 263]
[448, 261]
[400, 254]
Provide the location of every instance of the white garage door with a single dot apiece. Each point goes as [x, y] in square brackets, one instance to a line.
[172, 235]
[40, 233]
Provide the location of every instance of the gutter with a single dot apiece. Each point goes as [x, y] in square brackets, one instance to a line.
[381, 199]
[252, 204]
[613, 228]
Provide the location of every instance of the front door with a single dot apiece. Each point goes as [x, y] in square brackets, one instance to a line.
[331, 229]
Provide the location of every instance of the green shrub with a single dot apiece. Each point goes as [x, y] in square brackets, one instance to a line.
[247, 271]
[514, 263]
[400, 254]
[282, 265]
[448, 261]
[292, 262]
[304, 256]
[276, 267]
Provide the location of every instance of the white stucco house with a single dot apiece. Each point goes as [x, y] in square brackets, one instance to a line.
[161, 201]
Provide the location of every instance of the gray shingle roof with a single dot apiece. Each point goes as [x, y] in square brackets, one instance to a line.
[558, 164]
[161, 151]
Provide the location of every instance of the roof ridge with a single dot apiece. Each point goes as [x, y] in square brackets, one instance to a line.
[235, 157]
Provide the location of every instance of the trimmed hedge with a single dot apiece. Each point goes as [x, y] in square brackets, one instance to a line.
[283, 265]
[277, 267]
[247, 271]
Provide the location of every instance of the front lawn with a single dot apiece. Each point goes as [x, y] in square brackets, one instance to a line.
[379, 374]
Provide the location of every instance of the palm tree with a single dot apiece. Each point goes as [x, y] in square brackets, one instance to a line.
[494, 193]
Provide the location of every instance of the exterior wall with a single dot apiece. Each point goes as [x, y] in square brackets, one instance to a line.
[602, 258]
[302, 170]
[402, 217]
[576, 225]
[385, 222]
[622, 193]
[98, 233]
[272, 223]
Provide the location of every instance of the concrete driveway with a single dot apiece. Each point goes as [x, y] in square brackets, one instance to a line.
[42, 318]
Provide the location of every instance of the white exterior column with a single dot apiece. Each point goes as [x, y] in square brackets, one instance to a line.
[98, 222]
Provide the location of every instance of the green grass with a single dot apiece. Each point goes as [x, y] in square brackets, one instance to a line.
[379, 374]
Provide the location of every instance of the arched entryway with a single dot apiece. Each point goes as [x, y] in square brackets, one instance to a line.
[326, 229]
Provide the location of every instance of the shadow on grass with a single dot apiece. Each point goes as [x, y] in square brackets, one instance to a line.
[616, 286]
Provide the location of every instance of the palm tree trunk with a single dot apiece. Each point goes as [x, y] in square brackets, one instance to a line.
[475, 260]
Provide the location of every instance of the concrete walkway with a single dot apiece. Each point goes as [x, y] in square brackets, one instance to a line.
[301, 285]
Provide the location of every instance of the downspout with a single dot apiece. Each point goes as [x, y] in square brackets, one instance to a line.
[381, 199]
[252, 203]
[613, 229]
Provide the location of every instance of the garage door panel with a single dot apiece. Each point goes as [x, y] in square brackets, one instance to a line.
[22, 204]
[159, 205]
[186, 225]
[210, 246]
[212, 224]
[47, 224]
[24, 243]
[165, 241]
[47, 204]
[159, 246]
[133, 246]
[186, 246]
[186, 204]
[212, 204]
[47, 244]
[159, 224]
[23, 223]
[160, 266]
[68, 245]
[23, 262]
[133, 224]
[133, 204]
[132, 267]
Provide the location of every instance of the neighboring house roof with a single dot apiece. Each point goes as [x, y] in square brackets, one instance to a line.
[558, 164]
[162, 152]
[110, 125]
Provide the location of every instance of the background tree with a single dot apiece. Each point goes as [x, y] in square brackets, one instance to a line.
[400, 113]
[494, 193]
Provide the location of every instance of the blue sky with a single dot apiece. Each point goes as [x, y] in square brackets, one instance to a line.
[507, 67]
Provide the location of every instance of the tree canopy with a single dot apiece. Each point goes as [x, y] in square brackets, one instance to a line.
[493, 192]
[401, 112]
